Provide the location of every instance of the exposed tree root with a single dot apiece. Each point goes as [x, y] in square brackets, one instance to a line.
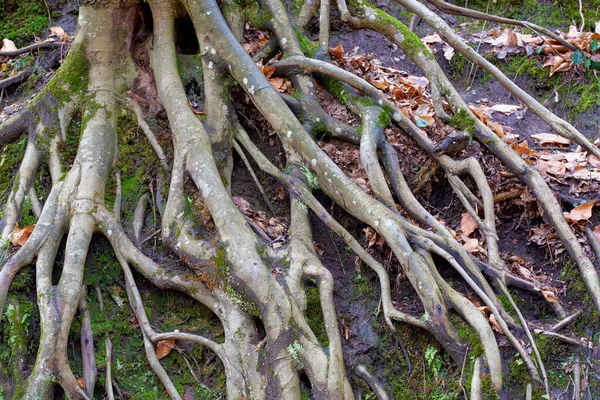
[250, 287]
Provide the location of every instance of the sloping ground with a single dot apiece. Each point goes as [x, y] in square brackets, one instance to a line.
[409, 362]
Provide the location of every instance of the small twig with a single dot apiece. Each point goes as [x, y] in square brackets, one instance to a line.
[565, 322]
[239, 150]
[109, 389]
[338, 254]
[50, 14]
[462, 371]
[582, 16]
[117, 207]
[372, 381]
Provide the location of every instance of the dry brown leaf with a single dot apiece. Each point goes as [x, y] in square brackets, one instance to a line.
[471, 245]
[496, 128]
[550, 296]
[550, 138]
[164, 347]
[20, 236]
[337, 51]
[431, 39]
[522, 148]
[511, 38]
[582, 212]
[60, 33]
[467, 224]
[319, 249]
[506, 109]
[81, 383]
[495, 324]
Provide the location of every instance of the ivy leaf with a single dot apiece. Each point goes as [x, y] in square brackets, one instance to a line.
[577, 57]
[595, 45]
[587, 62]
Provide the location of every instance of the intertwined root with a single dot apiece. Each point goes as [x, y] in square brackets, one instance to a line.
[257, 366]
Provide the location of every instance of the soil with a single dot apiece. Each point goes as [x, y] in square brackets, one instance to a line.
[356, 302]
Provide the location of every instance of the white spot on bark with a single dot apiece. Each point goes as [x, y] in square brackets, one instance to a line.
[251, 89]
[213, 51]
[210, 65]
[310, 84]
[318, 119]
[313, 162]
[396, 116]
[208, 12]
[283, 40]
[289, 133]
[354, 202]
[372, 17]
[109, 233]
[399, 37]
[338, 130]
[380, 102]
[245, 80]
[376, 224]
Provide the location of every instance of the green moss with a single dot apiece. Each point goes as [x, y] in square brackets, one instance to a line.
[21, 21]
[337, 88]
[314, 315]
[462, 121]
[551, 13]
[167, 311]
[306, 45]
[230, 287]
[15, 332]
[10, 159]
[71, 79]
[362, 285]
[407, 40]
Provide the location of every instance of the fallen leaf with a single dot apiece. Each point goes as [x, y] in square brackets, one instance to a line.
[581, 212]
[495, 323]
[471, 245]
[337, 51]
[164, 347]
[20, 236]
[505, 108]
[59, 32]
[431, 39]
[8, 45]
[81, 383]
[550, 138]
[448, 53]
[550, 296]
[522, 148]
[467, 224]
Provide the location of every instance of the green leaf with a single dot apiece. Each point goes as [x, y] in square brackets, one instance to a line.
[577, 57]
[595, 45]
[587, 62]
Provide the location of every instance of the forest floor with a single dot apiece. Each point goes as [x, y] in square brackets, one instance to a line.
[409, 362]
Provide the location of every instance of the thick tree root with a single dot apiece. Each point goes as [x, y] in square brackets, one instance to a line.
[243, 289]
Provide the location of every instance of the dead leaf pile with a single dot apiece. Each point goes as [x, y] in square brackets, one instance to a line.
[407, 92]
[273, 230]
[557, 58]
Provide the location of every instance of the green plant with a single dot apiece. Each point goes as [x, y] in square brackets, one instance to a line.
[294, 350]
[434, 361]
